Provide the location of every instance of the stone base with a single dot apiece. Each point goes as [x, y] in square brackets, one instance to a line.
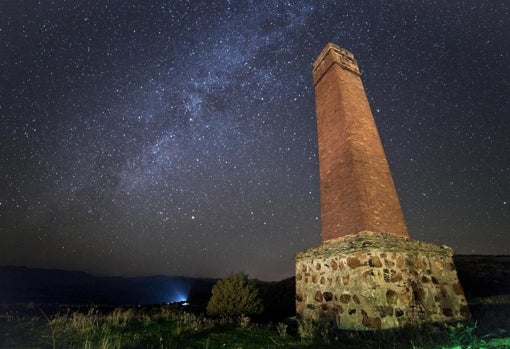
[372, 281]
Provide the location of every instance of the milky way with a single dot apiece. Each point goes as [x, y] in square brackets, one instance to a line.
[175, 137]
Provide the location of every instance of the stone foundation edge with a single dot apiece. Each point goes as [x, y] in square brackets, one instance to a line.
[372, 281]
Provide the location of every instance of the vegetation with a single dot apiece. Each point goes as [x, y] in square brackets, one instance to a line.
[174, 326]
[235, 295]
[34, 326]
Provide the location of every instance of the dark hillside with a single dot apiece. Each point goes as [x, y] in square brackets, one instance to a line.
[483, 276]
[42, 286]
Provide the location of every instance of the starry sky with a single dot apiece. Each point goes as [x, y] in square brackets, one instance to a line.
[179, 137]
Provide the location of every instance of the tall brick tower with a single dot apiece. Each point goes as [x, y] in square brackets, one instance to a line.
[357, 190]
[367, 274]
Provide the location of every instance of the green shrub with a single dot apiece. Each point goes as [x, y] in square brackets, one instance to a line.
[234, 295]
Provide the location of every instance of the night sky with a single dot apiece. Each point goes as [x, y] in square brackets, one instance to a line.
[179, 137]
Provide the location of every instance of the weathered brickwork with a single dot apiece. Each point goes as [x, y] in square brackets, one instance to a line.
[359, 279]
[376, 281]
[357, 190]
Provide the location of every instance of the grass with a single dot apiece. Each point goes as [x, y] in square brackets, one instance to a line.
[173, 327]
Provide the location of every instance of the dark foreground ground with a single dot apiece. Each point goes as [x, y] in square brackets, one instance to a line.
[31, 318]
[172, 326]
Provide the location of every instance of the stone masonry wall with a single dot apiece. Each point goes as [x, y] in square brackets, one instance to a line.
[374, 281]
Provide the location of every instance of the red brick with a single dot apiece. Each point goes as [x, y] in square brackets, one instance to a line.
[357, 190]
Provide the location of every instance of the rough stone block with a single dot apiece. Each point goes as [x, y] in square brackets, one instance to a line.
[420, 287]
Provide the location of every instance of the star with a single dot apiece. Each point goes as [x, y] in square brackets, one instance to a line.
[136, 137]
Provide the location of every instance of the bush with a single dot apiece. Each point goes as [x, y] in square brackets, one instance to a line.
[235, 295]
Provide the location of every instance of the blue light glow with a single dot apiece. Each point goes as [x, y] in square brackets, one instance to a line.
[179, 297]
[177, 292]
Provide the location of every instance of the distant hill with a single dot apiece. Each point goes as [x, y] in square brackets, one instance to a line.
[483, 276]
[21, 284]
[480, 276]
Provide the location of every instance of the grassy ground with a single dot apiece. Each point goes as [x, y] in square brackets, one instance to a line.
[173, 327]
